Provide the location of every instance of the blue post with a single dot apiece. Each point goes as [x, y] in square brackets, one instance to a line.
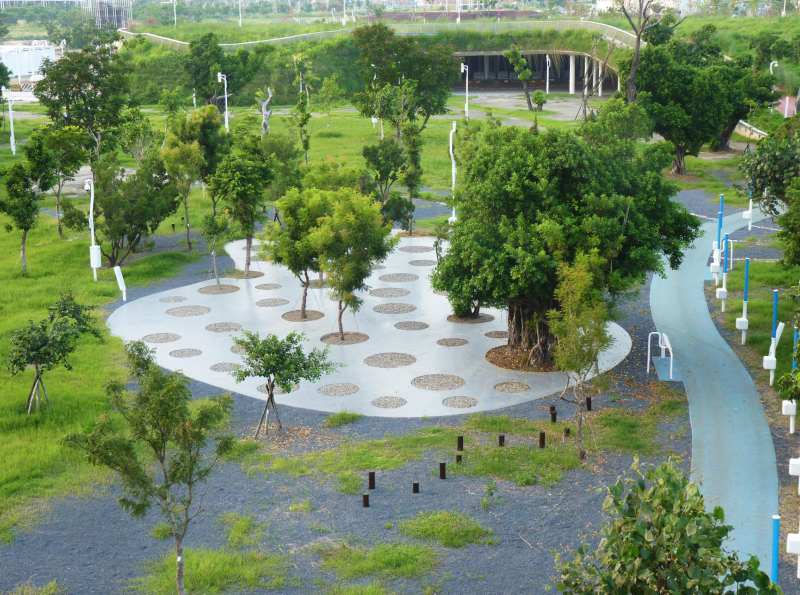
[774, 313]
[725, 252]
[721, 214]
[746, 276]
[796, 337]
[776, 547]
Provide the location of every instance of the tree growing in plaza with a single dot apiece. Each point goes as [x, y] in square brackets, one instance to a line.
[282, 363]
[290, 242]
[21, 204]
[184, 164]
[87, 89]
[579, 326]
[659, 538]
[239, 184]
[350, 241]
[529, 202]
[160, 444]
[48, 343]
[523, 70]
[54, 156]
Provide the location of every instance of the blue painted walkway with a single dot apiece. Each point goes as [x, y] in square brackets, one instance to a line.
[733, 457]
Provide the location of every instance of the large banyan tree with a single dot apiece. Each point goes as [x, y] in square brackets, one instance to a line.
[529, 201]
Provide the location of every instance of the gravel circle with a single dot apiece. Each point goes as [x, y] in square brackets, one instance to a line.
[378, 267]
[262, 388]
[422, 263]
[390, 359]
[349, 338]
[250, 275]
[172, 299]
[480, 319]
[452, 342]
[294, 315]
[161, 338]
[389, 402]
[268, 286]
[188, 352]
[460, 402]
[271, 302]
[438, 381]
[410, 325]
[238, 349]
[317, 284]
[186, 311]
[416, 249]
[399, 277]
[224, 327]
[496, 334]
[218, 289]
[389, 292]
[511, 387]
[227, 367]
[394, 308]
[339, 389]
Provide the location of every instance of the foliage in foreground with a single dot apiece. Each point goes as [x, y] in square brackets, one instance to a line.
[660, 539]
[450, 529]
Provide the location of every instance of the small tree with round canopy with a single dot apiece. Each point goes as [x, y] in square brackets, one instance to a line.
[22, 207]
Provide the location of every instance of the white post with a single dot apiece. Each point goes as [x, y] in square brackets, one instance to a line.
[175, 13]
[221, 78]
[600, 74]
[465, 72]
[547, 74]
[586, 75]
[789, 409]
[572, 74]
[121, 283]
[453, 172]
[11, 139]
[95, 256]
[240, 13]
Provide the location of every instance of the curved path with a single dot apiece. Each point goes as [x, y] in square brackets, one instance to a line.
[733, 457]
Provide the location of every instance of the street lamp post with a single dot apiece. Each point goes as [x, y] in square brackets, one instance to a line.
[11, 140]
[95, 256]
[465, 71]
[221, 78]
[452, 218]
[240, 13]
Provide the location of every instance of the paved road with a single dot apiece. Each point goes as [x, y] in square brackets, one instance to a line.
[733, 457]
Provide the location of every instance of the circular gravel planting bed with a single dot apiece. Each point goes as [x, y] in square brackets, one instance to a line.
[226, 367]
[238, 350]
[339, 389]
[390, 359]
[460, 402]
[188, 352]
[317, 284]
[497, 334]
[262, 388]
[250, 275]
[512, 358]
[186, 311]
[389, 292]
[438, 381]
[479, 319]
[411, 325]
[394, 308]
[349, 338]
[452, 342]
[511, 387]
[378, 267]
[399, 277]
[422, 263]
[224, 327]
[416, 249]
[161, 338]
[218, 289]
[271, 302]
[294, 316]
[172, 299]
[389, 402]
[268, 286]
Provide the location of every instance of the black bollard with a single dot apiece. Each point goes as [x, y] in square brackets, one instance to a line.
[501, 440]
[415, 487]
[566, 434]
[588, 403]
[442, 470]
[553, 414]
[173, 228]
[458, 459]
[371, 480]
[365, 500]
[541, 439]
[460, 443]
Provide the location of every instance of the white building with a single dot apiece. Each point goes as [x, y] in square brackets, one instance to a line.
[24, 58]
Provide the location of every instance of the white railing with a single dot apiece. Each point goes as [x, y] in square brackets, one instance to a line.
[664, 345]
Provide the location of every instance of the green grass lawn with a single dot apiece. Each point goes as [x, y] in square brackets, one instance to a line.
[228, 30]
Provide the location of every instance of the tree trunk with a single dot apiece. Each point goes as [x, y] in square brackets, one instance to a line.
[528, 329]
[179, 566]
[679, 163]
[248, 247]
[186, 219]
[724, 138]
[58, 211]
[630, 84]
[214, 266]
[579, 433]
[339, 320]
[23, 252]
[527, 95]
[305, 296]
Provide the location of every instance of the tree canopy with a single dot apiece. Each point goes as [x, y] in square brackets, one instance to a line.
[21, 204]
